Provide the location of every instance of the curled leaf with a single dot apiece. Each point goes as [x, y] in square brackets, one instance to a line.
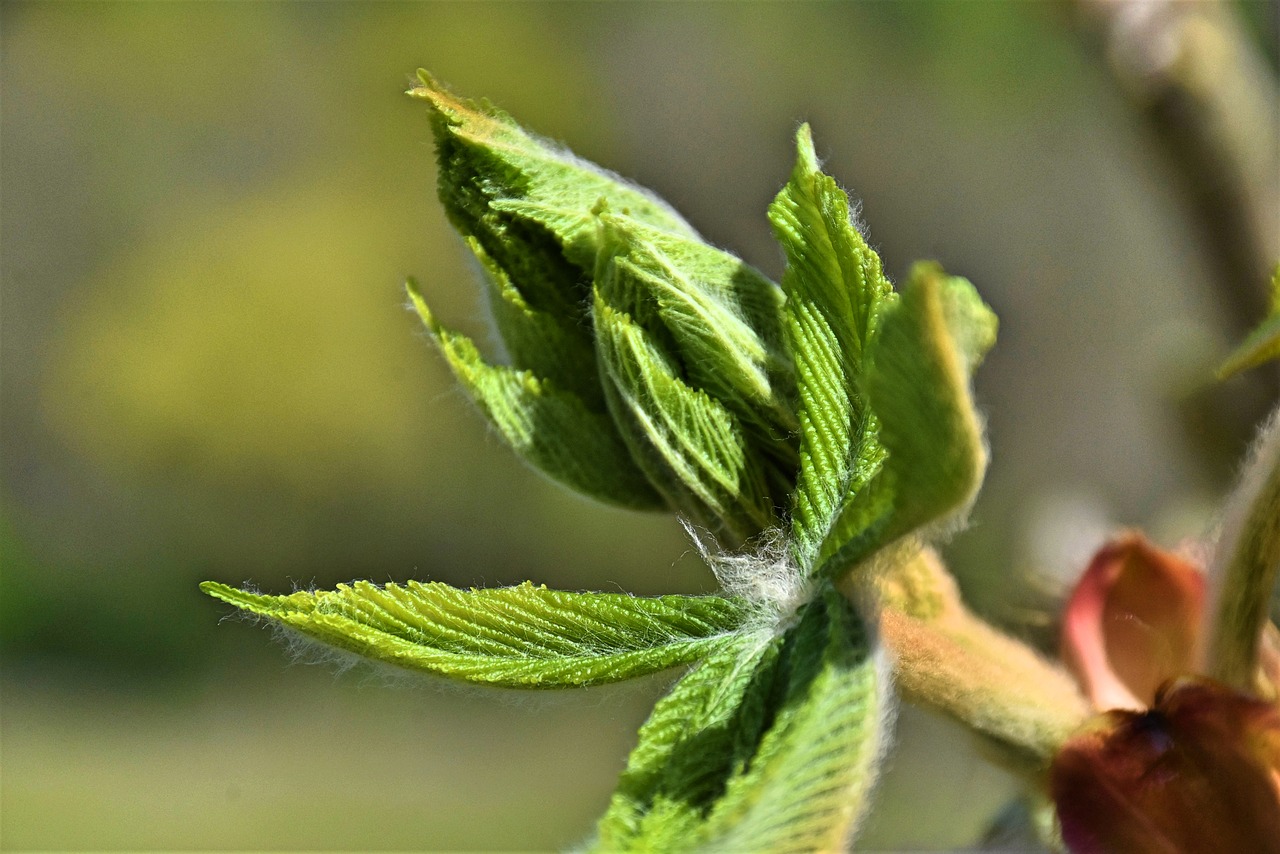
[918, 386]
[551, 428]
[525, 208]
[692, 448]
[718, 316]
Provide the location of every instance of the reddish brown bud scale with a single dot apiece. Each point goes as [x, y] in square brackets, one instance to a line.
[1198, 772]
[1132, 623]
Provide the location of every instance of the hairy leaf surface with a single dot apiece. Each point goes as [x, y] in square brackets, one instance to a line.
[836, 290]
[720, 316]
[768, 745]
[526, 204]
[807, 786]
[518, 637]
[697, 737]
[929, 344]
[691, 447]
[551, 428]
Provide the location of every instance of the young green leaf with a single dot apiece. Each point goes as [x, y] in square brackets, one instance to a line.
[1263, 344]
[527, 205]
[697, 737]
[769, 745]
[692, 448]
[515, 637]
[719, 316]
[836, 290]
[538, 341]
[807, 786]
[551, 428]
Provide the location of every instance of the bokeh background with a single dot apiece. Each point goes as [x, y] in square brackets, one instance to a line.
[208, 373]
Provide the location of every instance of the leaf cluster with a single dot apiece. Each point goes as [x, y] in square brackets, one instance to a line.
[649, 369]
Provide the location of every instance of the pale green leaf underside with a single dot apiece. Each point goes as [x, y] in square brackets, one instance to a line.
[919, 388]
[517, 637]
[549, 427]
[769, 745]
[807, 786]
[835, 290]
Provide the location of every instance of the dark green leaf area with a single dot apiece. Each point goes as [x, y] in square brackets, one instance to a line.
[770, 712]
[697, 737]
[519, 637]
[551, 428]
[807, 787]
[527, 205]
[690, 446]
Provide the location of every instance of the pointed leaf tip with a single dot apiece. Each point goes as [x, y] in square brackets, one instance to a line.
[805, 153]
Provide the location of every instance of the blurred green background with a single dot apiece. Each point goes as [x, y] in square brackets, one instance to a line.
[208, 373]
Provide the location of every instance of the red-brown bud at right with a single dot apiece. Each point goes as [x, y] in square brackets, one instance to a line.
[1198, 772]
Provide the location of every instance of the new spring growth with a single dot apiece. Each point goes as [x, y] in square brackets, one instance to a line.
[646, 366]
[816, 428]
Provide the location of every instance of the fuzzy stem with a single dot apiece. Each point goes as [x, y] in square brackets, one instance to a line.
[1246, 565]
[947, 659]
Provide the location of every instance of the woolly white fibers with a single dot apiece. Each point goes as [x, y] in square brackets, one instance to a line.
[765, 574]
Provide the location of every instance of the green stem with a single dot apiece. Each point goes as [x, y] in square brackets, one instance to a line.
[1247, 565]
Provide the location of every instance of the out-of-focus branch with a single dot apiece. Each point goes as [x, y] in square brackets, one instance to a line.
[1214, 104]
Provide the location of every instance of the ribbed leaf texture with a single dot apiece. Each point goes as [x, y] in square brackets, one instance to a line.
[518, 637]
[836, 290]
[721, 316]
[692, 448]
[697, 737]
[526, 205]
[769, 745]
[551, 428]
[807, 786]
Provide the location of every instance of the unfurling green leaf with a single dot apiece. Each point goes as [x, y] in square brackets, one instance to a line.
[553, 429]
[768, 745]
[918, 386]
[1263, 344]
[719, 316]
[526, 205]
[687, 338]
[698, 735]
[836, 290]
[692, 448]
[516, 637]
